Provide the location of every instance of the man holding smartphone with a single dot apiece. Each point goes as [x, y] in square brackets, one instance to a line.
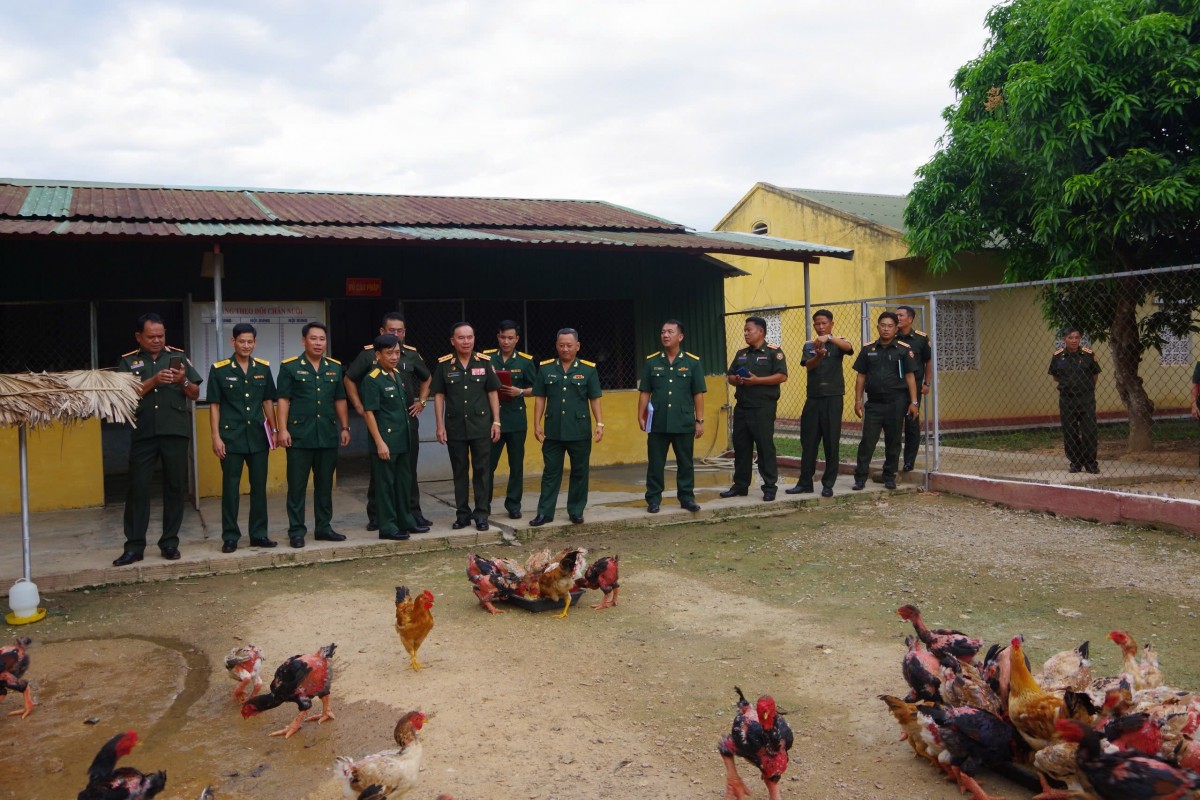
[757, 371]
[164, 425]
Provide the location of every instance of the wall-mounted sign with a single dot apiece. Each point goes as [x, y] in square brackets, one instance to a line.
[364, 287]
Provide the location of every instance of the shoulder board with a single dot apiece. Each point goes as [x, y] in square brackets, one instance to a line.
[370, 346]
[374, 373]
[1087, 350]
[131, 352]
[547, 361]
[489, 352]
[481, 356]
[175, 349]
[772, 346]
[262, 361]
[222, 363]
[903, 344]
[445, 358]
[691, 355]
[920, 333]
[525, 355]
[410, 347]
[334, 360]
[1059, 351]
[587, 363]
[289, 360]
[652, 355]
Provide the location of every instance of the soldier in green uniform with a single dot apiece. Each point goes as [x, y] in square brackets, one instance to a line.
[520, 370]
[821, 419]
[564, 391]
[1074, 370]
[414, 376]
[313, 421]
[757, 370]
[922, 347]
[387, 414]
[887, 369]
[164, 426]
[467, 412]
[671, 412]
[241, 395]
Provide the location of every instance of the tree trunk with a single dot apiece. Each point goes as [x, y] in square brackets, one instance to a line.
[1127, 358]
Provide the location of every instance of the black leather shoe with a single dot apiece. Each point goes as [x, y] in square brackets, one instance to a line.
[459, 524]
[539, 520]
[418, 529]
[330, 536]
[1093, 469]
[690, 507]
[514, 515]
[908, 467]
[1074, 468]
[372, 525]
[735, 492]
[397, 536]
[859, 486]
[768, 495]
[481, 524]
[229, 547]
[889, 484]
[826, 492]
[296, 541]
[577, 520]
[171, 553]
[126, 558]
[421, 520]
[652, 508]
[263, 542]
[798, 489]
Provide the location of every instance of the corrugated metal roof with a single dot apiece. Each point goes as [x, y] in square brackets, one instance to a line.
[883, 209]
[234, 229]
[172, 205]
[11, 199]
[47, 201]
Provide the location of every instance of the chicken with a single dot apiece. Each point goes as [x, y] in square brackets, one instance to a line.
[941, 641]
[905, 714]
[1145, 674]
[494, 579]
[602, 574]
[414, 620]
[962, 685]
[997, 671]
[1056, 762]
[14, 661]
[1124, 774]
[1069, 669]
[973, 739]
[558, 578]
[761, 736]
[107, 781]
[922, 671]
[298, 680]
[1032, 709]
[392, 771]
[243, 664]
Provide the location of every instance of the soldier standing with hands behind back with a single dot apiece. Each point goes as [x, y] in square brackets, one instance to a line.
[673, 385]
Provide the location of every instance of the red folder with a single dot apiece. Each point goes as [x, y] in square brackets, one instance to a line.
[505, 377]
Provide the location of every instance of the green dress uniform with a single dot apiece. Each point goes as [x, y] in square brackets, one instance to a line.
[1077, 404]
[567, 425]
[164, 428]
[922, 347]
[821, 418]
[413, 373]
[672, 386]
[887, 401]
[383, 394]
[468, 422]
[313, 425]
[514, 425]
[754, 417]
[239, 395]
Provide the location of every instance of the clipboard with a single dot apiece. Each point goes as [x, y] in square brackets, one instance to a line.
[270, 435]
[505, 377]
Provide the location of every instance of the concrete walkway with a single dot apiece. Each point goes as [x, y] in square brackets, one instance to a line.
[74, 549]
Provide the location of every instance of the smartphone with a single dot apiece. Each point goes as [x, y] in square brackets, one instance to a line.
[176, 362]
[743, 372]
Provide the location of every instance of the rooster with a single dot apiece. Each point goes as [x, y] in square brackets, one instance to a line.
[941, 641]
[297, 680]
[558, 578]
[922, 671]
[602, 574]
[762, 737]
[1126, 774]
[973, 738]
[494, 579]
[414, 620]
[106, 781]
[390, 771]
[14, 660]
[243, 664]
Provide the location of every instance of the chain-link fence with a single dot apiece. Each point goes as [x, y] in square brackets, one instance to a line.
[994, 409]
[45, 337]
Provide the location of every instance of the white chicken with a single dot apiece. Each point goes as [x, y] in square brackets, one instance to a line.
[394, 771]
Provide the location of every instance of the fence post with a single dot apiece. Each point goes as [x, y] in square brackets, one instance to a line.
[933, 423]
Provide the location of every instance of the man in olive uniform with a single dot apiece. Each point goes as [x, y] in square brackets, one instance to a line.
[520, 370]
[387, 414]
[1075, 371]
[821, 419]
[414, 376]
[241, 395]
[466, 409]
[757, 370]
[313, 421]
[164, 426]
[923, 349]
[565, 390]
[887, 369]
[671, 412]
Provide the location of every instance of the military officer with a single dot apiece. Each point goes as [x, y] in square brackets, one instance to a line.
[821, 419]
[466, 409]
[414, 376]
[757, 370]
[565, 390]
[671, 412]
[313, 421]
[514, 426]
[168, 382]
[241, 412]
[886, 371]
[387, 414]
[1075, 372]
[922, 347]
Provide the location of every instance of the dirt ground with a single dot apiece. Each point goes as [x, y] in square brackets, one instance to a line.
[622, 703]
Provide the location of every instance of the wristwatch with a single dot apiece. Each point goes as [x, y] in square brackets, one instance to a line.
[186, 383]
[423, 401]
[347, 430]
[699, 422]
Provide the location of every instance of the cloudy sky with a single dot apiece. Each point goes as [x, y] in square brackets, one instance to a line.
[670, 107]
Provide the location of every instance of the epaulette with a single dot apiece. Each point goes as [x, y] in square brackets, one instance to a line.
[222, 363]
[131, 352]
[262, 361]
[525, 355]
[1059, 351]
[175, 349]
[334, 360]
[445, 358]
[920, 333]
[547, 361]
[652, 355]
[591, 364]
[370, 346]
[489, 352]
[410, 347]
[903, 344]
[1087, 350]
[481, 356]
[289, 360]
[374, 373]
[692, 355]
[772, 346]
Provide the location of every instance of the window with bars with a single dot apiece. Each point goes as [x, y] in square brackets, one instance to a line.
[957, 335]
[1176, 351]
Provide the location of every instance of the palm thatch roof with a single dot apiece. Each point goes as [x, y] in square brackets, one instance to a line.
[36, 399]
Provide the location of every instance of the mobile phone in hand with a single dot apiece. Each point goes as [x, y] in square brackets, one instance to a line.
[743, 372]
[176, 362]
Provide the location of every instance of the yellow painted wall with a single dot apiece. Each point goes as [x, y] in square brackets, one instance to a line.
[66, 468]
[209, 466]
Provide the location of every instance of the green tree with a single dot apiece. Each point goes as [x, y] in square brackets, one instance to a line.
[1074, 147]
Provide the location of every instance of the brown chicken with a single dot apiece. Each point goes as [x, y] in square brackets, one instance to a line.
[14, 661]
[298, 680]
[905, 714]
[602, 574]
[558, 578]
[414, 620]
[1069, 669]
[1146, 673]
[243, 664]
[393, 771]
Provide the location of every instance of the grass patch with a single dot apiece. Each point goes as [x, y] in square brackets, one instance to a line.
[1033, 439]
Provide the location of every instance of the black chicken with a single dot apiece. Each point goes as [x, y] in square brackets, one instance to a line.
[974, 738]
[1126, 774]
[106, 781]
[762, 737]
[297, 680]
[14, 660]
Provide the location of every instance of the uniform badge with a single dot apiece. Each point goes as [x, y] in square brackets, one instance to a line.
[478, 370]
[137, 365]
[577, 377]
[779, 356]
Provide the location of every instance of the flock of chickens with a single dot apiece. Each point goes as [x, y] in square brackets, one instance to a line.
[1129, 736]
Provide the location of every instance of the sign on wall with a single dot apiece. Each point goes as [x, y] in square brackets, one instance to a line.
[278, 324]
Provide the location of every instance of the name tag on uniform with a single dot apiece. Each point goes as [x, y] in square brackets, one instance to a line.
[762, 358]
[331, 374]
[231, 378]
[452, 374]
[260, 377]
[479, 370]
[301, 372]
